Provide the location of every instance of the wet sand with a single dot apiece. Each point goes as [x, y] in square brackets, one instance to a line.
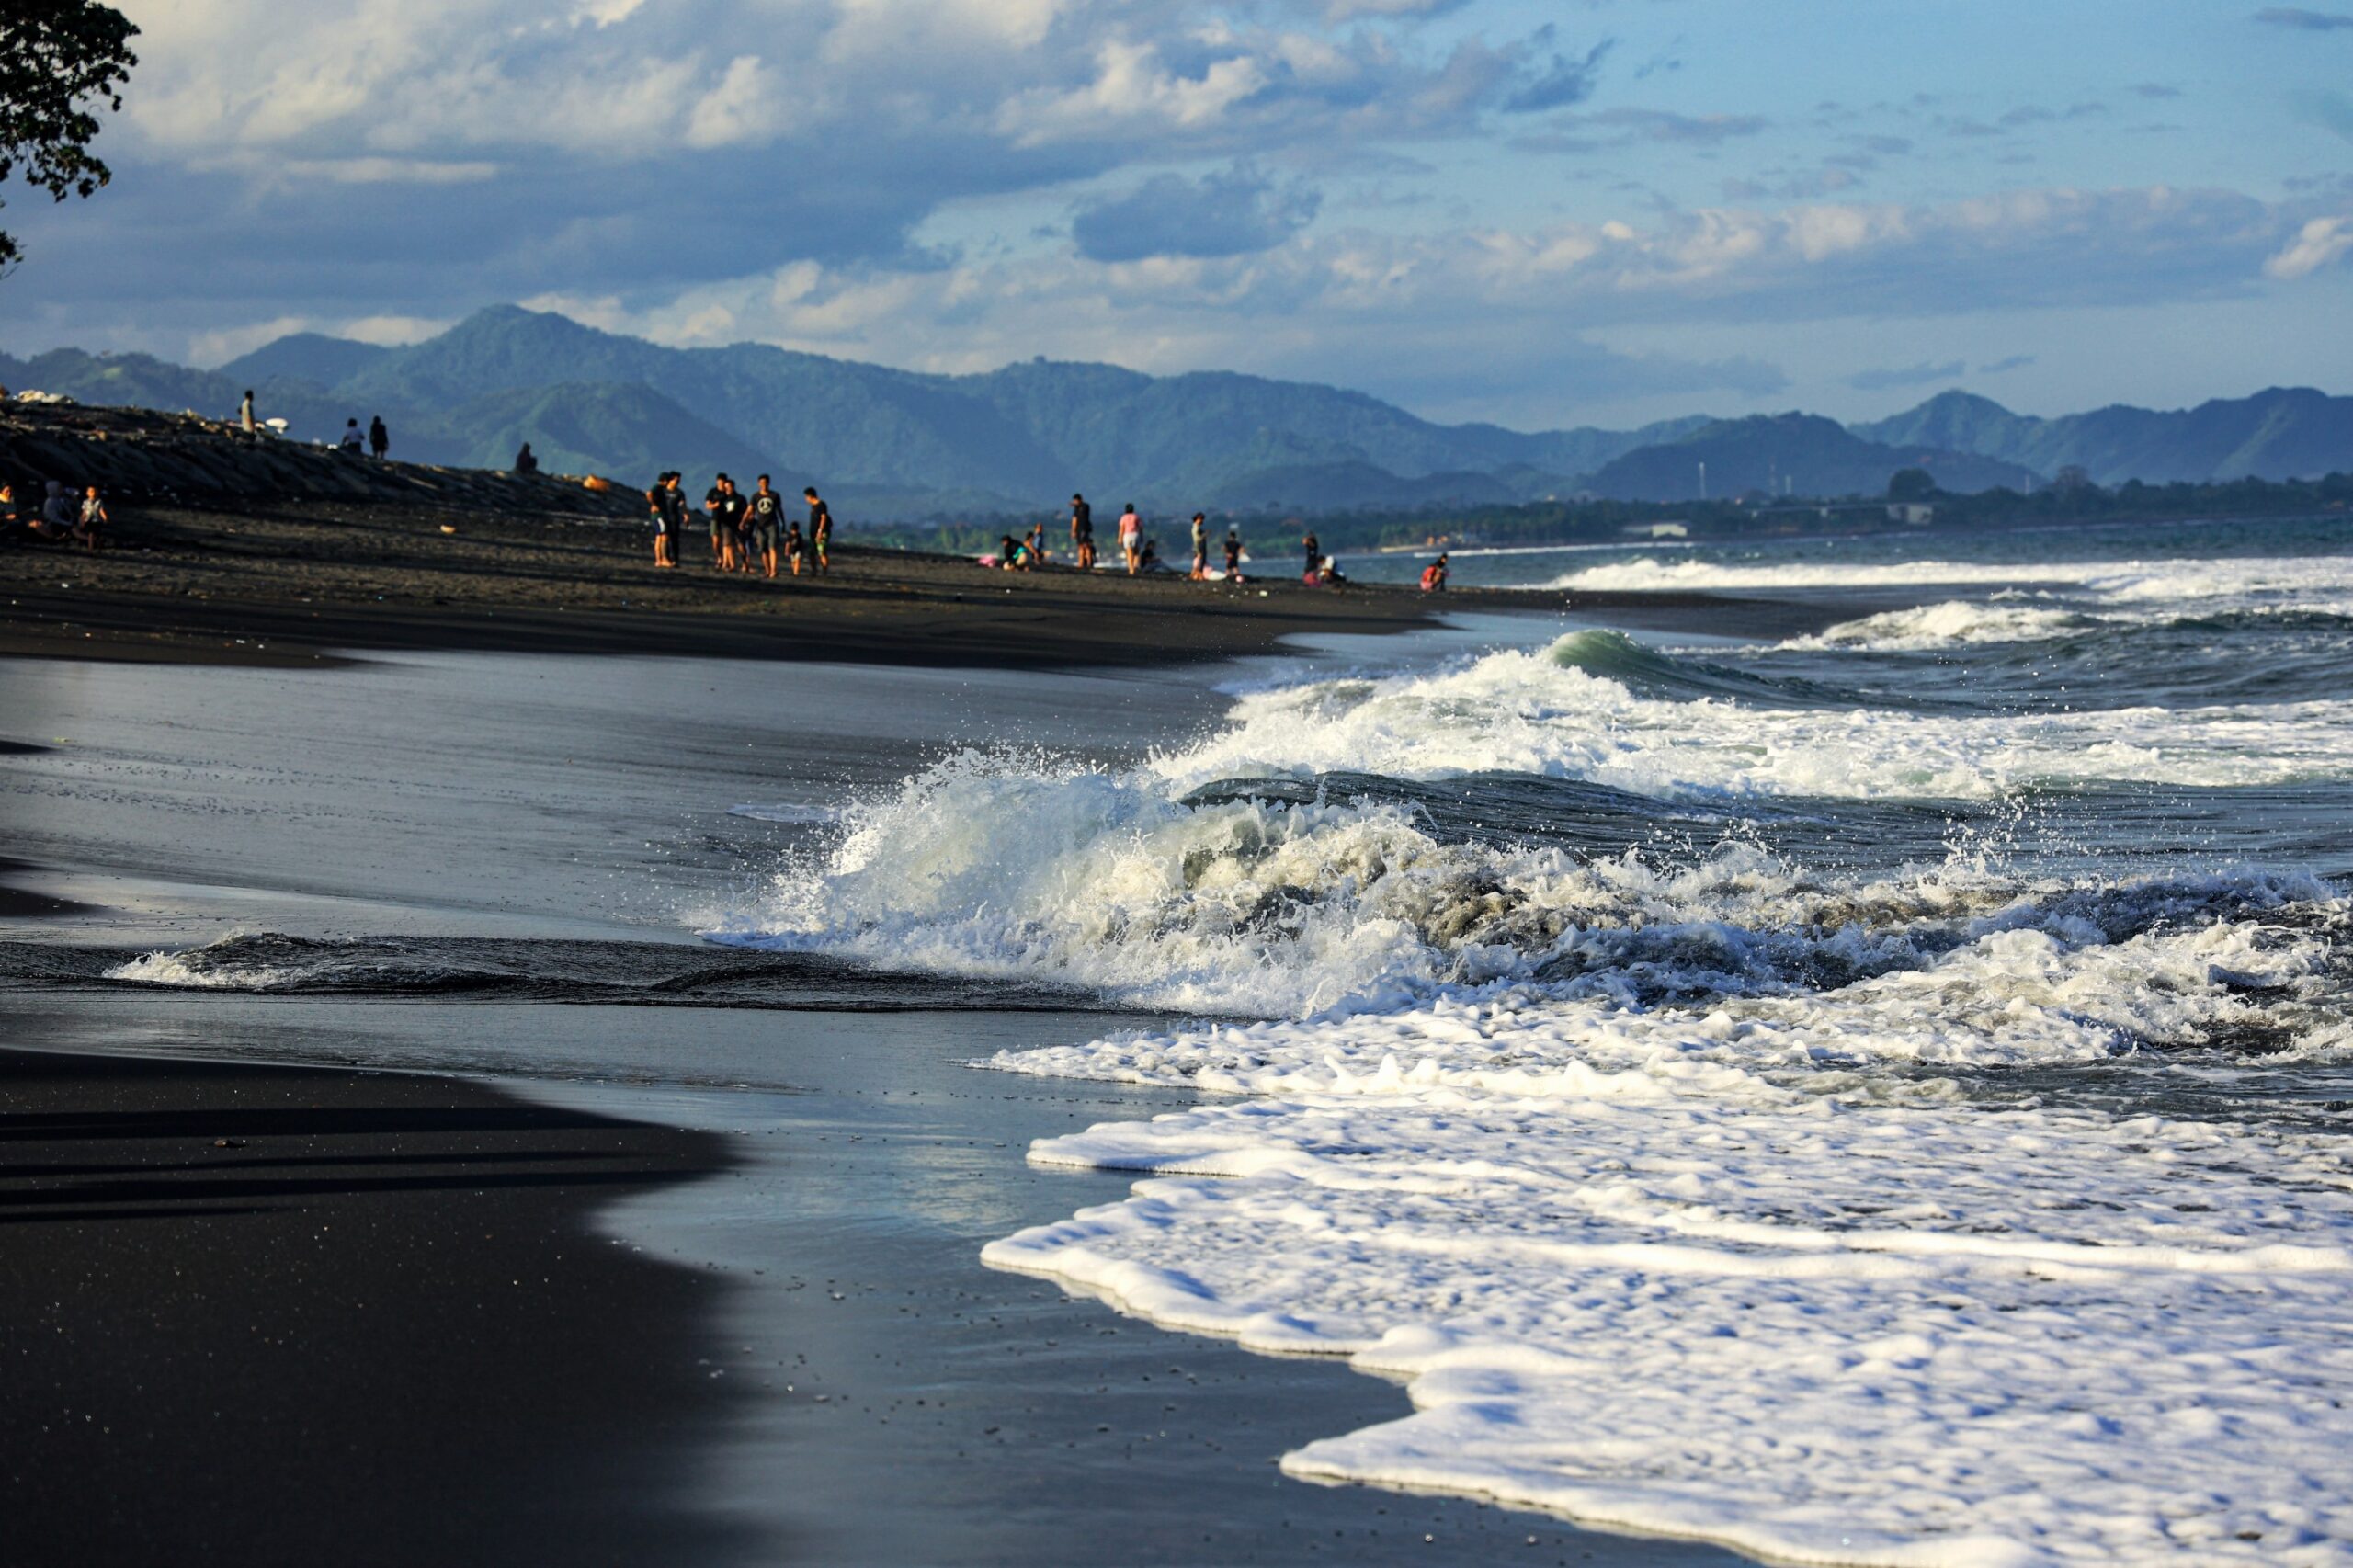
[265, 1314]
[293, 582]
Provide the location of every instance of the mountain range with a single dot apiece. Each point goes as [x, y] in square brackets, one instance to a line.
[1021, 439]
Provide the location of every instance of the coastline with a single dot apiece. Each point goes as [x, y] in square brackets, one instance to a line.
[294, 586]
[278, 1315]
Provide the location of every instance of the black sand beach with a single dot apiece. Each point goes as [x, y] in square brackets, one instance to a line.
[266, 1314]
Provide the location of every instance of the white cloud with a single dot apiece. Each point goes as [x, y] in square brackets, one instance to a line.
[2320, 243]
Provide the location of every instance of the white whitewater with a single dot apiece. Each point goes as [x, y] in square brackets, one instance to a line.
[1682, 1189]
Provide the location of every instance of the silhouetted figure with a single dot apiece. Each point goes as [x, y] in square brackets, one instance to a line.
[525, 463]
[380, 440]
[350, 442]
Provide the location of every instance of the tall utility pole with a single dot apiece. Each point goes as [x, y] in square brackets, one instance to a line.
[1703, 482]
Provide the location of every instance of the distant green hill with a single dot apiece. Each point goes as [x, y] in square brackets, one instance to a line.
[1804, 453]
[2282, 433]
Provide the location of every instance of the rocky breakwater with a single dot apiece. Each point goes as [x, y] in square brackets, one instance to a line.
[140, 455]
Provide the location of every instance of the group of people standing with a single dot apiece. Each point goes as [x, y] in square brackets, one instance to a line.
[748, 533]
[63, 517]
[1138, 553]
[378, 440]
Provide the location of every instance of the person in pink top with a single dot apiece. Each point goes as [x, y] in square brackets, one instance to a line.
[1131, 540]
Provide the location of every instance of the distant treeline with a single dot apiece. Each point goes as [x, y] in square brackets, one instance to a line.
[1589, 522]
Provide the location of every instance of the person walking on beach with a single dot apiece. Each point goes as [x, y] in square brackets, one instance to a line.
[1200, 548]
[768, 515]
[820, 532]
[1082, 533]
[350, 442]
[380, 440]
[1131, 538]
[794, 545]
[246, 414]
[1233, 555]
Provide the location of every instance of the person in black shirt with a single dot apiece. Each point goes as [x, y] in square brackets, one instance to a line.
[1082, 532]
[820, 530]
[714, 502]
[658, 507]
[380, 440]
[794, 546]
[768, 513]
[1233, 555]
[525, 463]
[1315, 556]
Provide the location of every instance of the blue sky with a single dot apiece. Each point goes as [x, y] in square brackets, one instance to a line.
[1542, 214]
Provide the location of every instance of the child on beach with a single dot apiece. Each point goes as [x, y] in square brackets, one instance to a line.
[1233, 555]
[90, 530]
[794, 546]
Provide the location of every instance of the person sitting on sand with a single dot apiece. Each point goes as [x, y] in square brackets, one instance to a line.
[1148, 558]
[1082, 533]
[90, 529]
[1130, 539]
[380, 440]
[352, 439]
[1013, 555]
[1233, 555]
[56, 520]
[1327, 573]
[1201, 547]
[767, 516]
[1434, 576]
[795, 547]
[524, 461]
[820, 532]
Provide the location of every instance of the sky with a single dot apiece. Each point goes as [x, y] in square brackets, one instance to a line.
[1579, 211]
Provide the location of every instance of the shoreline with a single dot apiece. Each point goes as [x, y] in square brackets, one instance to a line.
[306, 587]
[368, 1287]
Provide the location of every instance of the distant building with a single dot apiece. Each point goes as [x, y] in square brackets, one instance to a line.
[1656, 531]
[1913, 512]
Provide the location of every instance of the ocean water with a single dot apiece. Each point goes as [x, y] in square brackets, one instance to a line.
[1874, 1099]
